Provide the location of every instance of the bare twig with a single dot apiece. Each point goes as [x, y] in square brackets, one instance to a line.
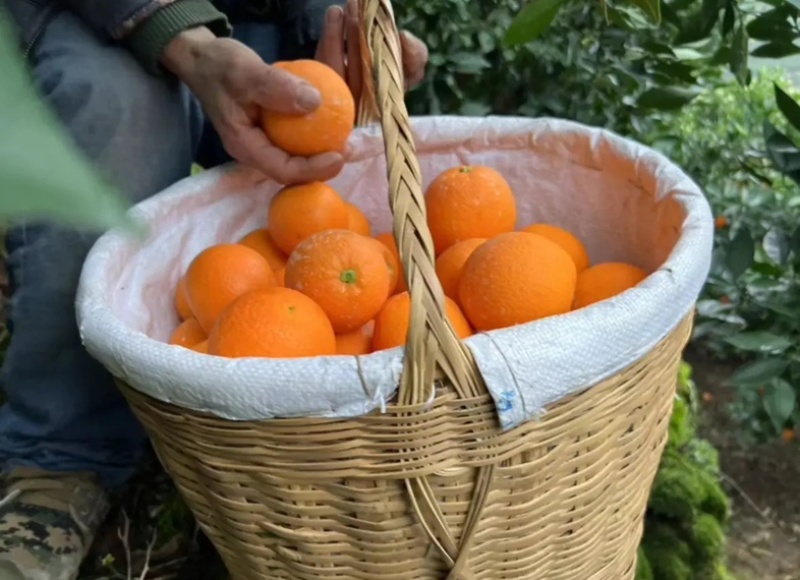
[749, 500]
[124, 537]
[148, 554]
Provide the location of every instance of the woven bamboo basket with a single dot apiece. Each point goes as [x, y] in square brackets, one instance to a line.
[426, 491]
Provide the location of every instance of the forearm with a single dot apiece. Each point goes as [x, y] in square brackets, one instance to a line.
[146, 27]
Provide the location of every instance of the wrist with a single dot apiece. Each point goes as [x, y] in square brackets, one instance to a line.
[183, 51]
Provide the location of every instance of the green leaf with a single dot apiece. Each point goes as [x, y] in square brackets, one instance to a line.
[795, 242]
[776, 246]
[759, 341]
[741, 253]
[788, 106]
[42, 174]
[776, 49]
[780, 401]
[759, 372]
[667, 98]
[739, 56]
[783, 153]
[469, 62]
[650, 7]
[771, 24]
[532, 20]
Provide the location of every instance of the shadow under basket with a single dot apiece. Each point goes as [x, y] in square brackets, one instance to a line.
[324, 499]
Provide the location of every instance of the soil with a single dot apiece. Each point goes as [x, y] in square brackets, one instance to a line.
[763, 481]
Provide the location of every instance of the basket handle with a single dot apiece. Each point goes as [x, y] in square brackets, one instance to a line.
[433, 350]
[432, 346]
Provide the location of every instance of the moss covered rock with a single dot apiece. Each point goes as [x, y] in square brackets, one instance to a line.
[684, 537]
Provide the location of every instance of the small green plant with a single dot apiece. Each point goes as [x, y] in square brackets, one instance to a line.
[684, 537]
[750, 307]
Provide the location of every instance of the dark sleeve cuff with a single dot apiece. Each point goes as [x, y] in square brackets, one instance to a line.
[149, 39]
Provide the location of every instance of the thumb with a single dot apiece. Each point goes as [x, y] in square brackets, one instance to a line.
[278, 90]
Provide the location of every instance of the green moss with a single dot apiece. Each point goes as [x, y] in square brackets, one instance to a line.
[708, 539]
[677, 491]
[681, 430]
[643, 569]
[716, 503]
[684, 536]
[667, 565]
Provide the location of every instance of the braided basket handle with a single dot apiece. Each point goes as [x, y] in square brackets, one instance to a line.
[432, 347]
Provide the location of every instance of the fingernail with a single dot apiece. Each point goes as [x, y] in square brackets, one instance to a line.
[335, 14]
[308, 97]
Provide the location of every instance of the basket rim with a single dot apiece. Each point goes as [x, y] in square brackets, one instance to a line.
[143, 362]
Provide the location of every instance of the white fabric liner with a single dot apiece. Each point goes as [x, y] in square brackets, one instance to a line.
[626, 201]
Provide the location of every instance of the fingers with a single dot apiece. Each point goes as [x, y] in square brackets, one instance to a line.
[251, 147]
[330, 48]
[277, 90]
[353, 37]
[415, 59]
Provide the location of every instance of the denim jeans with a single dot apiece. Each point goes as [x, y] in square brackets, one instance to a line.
[63, 411]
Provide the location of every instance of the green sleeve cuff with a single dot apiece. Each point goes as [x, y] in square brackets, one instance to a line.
[149, 39]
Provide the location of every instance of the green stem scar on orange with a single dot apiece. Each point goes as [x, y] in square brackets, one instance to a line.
[348, 277]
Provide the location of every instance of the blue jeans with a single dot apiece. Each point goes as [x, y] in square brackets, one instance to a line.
[63, 412]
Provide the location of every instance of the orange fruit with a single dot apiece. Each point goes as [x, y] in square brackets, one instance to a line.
[516, 278]
[393, 260]
[272, 322]
[469, 202]
[325, 129]
[201, 347]
[357, 342]
[181, 302]
[357, 221]
[188, 333]
[450, 263]
[261, 242]
[721, 222]
[280, 276]
[220, 274]
[604, 281]
[299, 211]
[567, 240]
[344, 272]
[391, 324]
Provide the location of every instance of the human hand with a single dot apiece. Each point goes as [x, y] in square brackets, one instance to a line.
[234, 85]
[340, 48]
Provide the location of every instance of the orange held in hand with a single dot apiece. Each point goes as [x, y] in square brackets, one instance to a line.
[345, 273]
[323, 130]
[188, 334]
[220, 274]
[451, 262]
[469, 202]
[299, 211]
[605, 281]
[568, 241]
[261, 241]
[272, 322]
[391, 324]
[516, 278]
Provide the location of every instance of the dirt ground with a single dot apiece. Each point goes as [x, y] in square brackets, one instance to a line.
[763, 482]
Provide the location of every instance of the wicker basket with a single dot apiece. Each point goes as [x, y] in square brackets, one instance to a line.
[425, 491]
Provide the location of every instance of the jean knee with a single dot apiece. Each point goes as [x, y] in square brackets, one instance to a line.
[140, 131]
[44, 266]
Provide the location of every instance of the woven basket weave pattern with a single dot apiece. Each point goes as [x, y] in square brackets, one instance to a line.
[426, 491]
[319, 499]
